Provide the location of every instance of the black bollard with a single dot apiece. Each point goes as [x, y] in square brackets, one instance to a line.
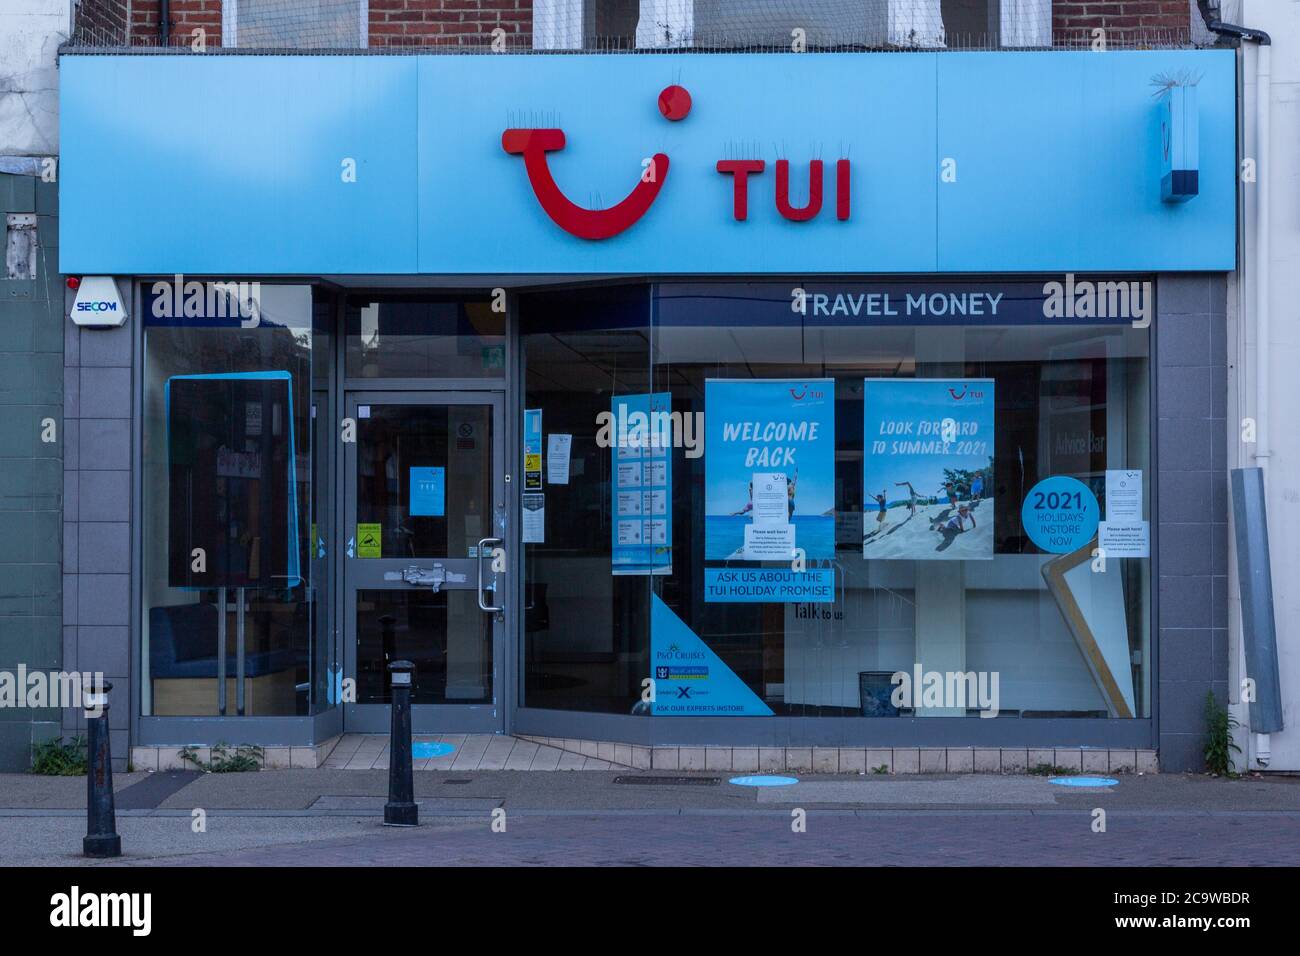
[400, 810]
[101, 823]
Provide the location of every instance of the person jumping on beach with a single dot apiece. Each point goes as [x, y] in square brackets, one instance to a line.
[951, 492]
[884, 509]
[749, 507]
[789, 490]
[912, 498]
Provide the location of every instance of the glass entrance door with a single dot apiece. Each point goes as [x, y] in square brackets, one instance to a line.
[425, 507]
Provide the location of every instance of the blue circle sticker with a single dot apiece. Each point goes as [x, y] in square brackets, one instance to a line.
[1060, 514]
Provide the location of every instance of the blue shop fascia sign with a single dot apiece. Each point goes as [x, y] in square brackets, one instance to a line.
[659, 164]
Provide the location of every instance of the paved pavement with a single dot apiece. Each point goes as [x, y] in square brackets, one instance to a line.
[331, 817]
[834, 839]
[472, 752]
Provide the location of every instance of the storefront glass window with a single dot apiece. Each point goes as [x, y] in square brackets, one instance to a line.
[236, 513]
[943, 480]
[586, 629]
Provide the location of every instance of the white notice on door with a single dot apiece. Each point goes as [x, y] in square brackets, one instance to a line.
[768, 543]
[1123, 495]
[770, 499]
[534, 508]
[1124, 539]
[557, 458]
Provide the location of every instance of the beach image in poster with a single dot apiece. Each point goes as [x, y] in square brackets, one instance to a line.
[769, 462]
[927, 469]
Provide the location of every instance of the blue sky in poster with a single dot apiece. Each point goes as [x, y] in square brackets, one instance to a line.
[766, 405]
[769, 425]
[907, 416]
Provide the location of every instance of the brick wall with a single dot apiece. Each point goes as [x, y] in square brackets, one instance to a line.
[450, 22]
[184, 17]
[104, 21]
[391, 22]
[1127, 22]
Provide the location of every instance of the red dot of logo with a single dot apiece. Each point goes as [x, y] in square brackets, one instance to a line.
[674, 102]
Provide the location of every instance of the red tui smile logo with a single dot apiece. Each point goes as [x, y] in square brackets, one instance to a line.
[534, 144]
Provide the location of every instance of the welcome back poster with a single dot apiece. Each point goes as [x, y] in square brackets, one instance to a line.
[928, 469]
[769, 456]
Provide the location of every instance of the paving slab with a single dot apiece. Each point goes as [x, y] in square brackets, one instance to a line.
[965, 791]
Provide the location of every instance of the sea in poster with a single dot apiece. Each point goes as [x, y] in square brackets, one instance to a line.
[928, 469]
[769, 434]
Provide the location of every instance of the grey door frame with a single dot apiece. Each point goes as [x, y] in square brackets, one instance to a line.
[368, 572]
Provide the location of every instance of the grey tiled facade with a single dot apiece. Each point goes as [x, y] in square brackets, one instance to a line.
[97, 516]
[1192, 510]
[31, 479]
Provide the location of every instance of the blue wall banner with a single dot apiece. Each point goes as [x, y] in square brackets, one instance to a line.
[691, 680]
[641, 461]
[927, 471]
[779, 585]
[1060, 514]
[428, 491]
[769, 466]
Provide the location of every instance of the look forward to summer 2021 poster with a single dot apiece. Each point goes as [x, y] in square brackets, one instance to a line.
[928, 469]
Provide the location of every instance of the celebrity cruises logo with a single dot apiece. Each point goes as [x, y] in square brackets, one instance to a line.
[675, 105]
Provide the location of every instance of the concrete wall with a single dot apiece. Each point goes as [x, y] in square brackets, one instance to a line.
[31, 470]
[30, 34]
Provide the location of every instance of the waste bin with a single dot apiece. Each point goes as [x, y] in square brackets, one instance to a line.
[874, 691]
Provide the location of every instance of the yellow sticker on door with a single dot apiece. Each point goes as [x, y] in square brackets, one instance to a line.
[370, 538]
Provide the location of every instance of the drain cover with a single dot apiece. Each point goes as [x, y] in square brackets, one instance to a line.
[670, 781]
[1084, 781]
[454, 782]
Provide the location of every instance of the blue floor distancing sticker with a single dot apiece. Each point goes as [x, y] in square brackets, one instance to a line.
[425, 749]
[761, 781]
[1085, 781]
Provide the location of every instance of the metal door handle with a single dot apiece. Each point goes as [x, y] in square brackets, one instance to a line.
[482, 549]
